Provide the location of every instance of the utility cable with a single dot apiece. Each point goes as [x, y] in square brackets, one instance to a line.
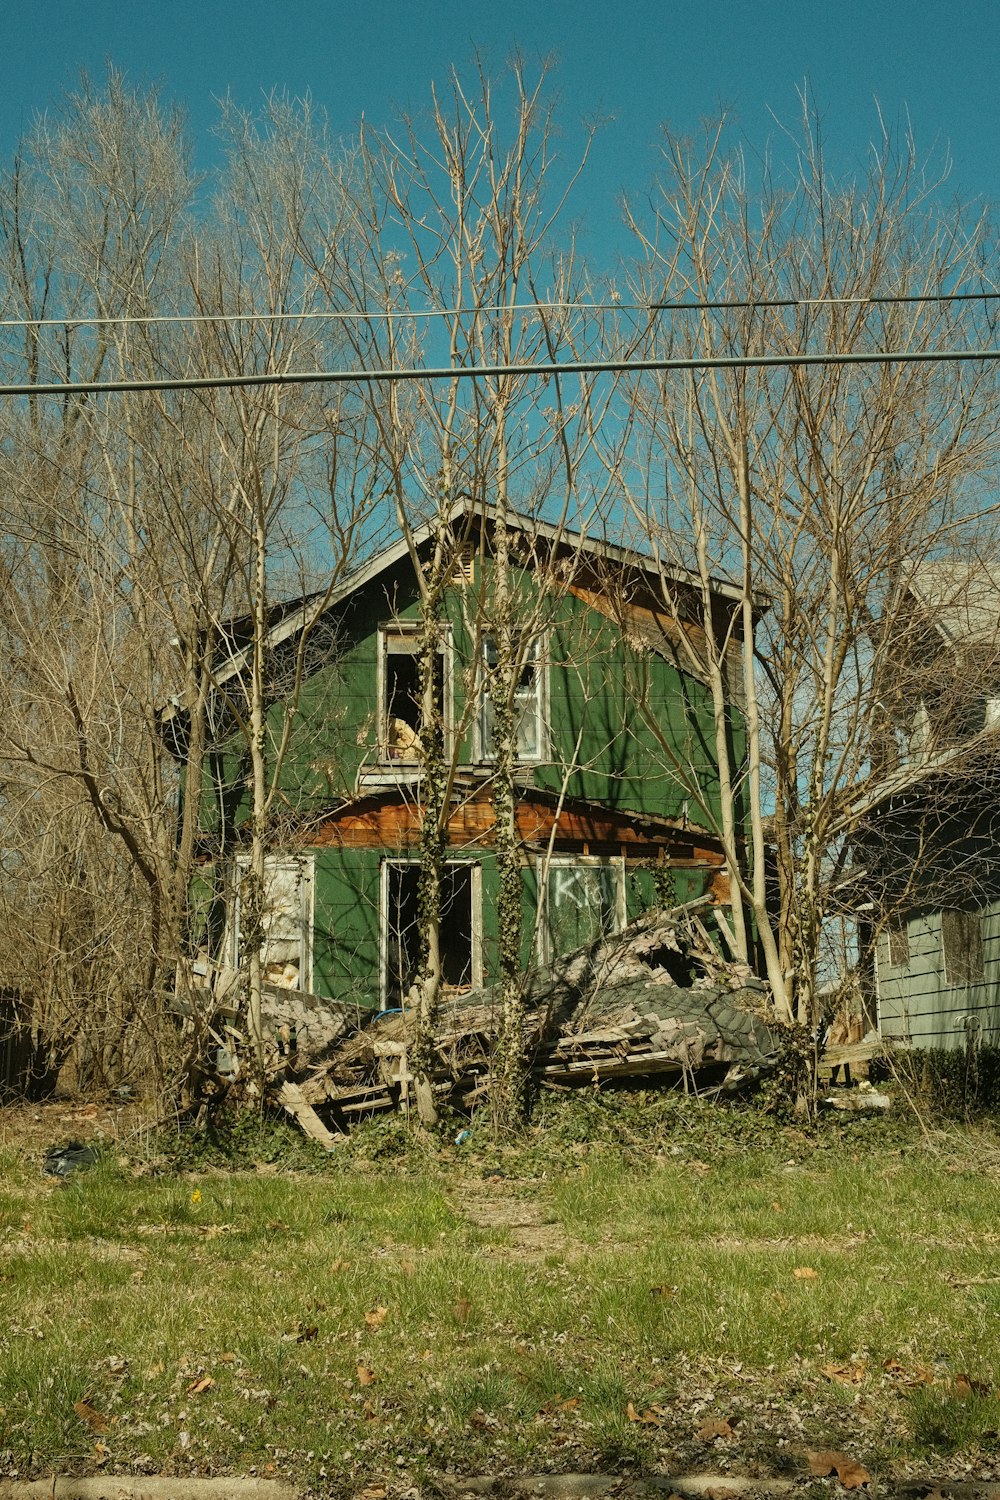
[493, 372]
[388, 315]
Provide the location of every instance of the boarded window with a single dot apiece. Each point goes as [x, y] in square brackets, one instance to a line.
[899, 943]
[528, 703]
[582, 900]
[286, 919]
[401, 945]
[962, 947]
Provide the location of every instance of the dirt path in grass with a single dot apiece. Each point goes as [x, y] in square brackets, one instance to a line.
[499, 1203]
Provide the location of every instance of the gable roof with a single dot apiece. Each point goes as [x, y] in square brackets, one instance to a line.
[298, 614]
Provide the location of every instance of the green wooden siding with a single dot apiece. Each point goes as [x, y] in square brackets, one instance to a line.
[604, 699]
[347, 919]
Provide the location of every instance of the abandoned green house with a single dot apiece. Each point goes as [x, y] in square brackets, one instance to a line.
[617, 774]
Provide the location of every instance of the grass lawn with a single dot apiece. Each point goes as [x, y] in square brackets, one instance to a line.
[635, 1273]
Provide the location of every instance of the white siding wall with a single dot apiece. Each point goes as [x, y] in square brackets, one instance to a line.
[916, 1005]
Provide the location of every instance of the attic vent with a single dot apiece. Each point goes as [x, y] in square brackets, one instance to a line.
[465, 564]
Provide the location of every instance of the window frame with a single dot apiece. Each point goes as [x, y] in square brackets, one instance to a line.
[538, 646]
[544, 867]
[388, 632]
[966, 967]
[306, 865]
[476, 925]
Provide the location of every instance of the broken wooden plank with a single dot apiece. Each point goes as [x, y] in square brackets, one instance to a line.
[854, 1052]
[294, 1101]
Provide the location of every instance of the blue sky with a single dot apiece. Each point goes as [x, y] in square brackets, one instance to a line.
[637, 61]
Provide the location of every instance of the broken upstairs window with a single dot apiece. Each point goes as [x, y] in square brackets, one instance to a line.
[401, 709]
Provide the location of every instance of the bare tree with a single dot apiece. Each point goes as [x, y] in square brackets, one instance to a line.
[458, 221]
[813, 488]
[138, 526]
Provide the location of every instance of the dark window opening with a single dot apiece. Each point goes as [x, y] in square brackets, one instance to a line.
[402, 929]
[402, 707]
[962, 947]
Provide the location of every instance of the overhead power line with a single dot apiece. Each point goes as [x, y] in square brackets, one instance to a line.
[356, 314]
[490, 372]
[332, 315]
[876, 301]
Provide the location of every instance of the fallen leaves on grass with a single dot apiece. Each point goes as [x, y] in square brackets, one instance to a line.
[462, 1309]
[965, 1386]
[919, 1375]
[663, 1291]
[844, 1374]
[805, 1273]
[715, 1427]
[306, 1332]
[851, 1474]
[95, 1420]
[557, 1404]
[376, 1317]
[199, 1387]
[339, 1265]
[653, 1416]
[365, 1375]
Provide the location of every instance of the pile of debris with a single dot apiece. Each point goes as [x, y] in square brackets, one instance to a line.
[656, 1001]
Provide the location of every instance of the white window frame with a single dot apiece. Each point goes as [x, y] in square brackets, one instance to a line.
[306, 865]
[397, 630]
[476, 894]
[546, 864]
[539, 653]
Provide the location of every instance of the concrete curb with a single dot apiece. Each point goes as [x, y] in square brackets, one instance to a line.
[593, 1486]
[694, 1487]
[533, 1487]
[143, 1487]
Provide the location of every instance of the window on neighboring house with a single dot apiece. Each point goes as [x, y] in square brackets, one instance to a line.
[899, 943]
[286, 917]
[580, 900]
[400, 708]
[962, 947]
[529, 699]
[461, 902]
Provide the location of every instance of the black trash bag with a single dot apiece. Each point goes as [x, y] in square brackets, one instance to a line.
[63, 1161]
